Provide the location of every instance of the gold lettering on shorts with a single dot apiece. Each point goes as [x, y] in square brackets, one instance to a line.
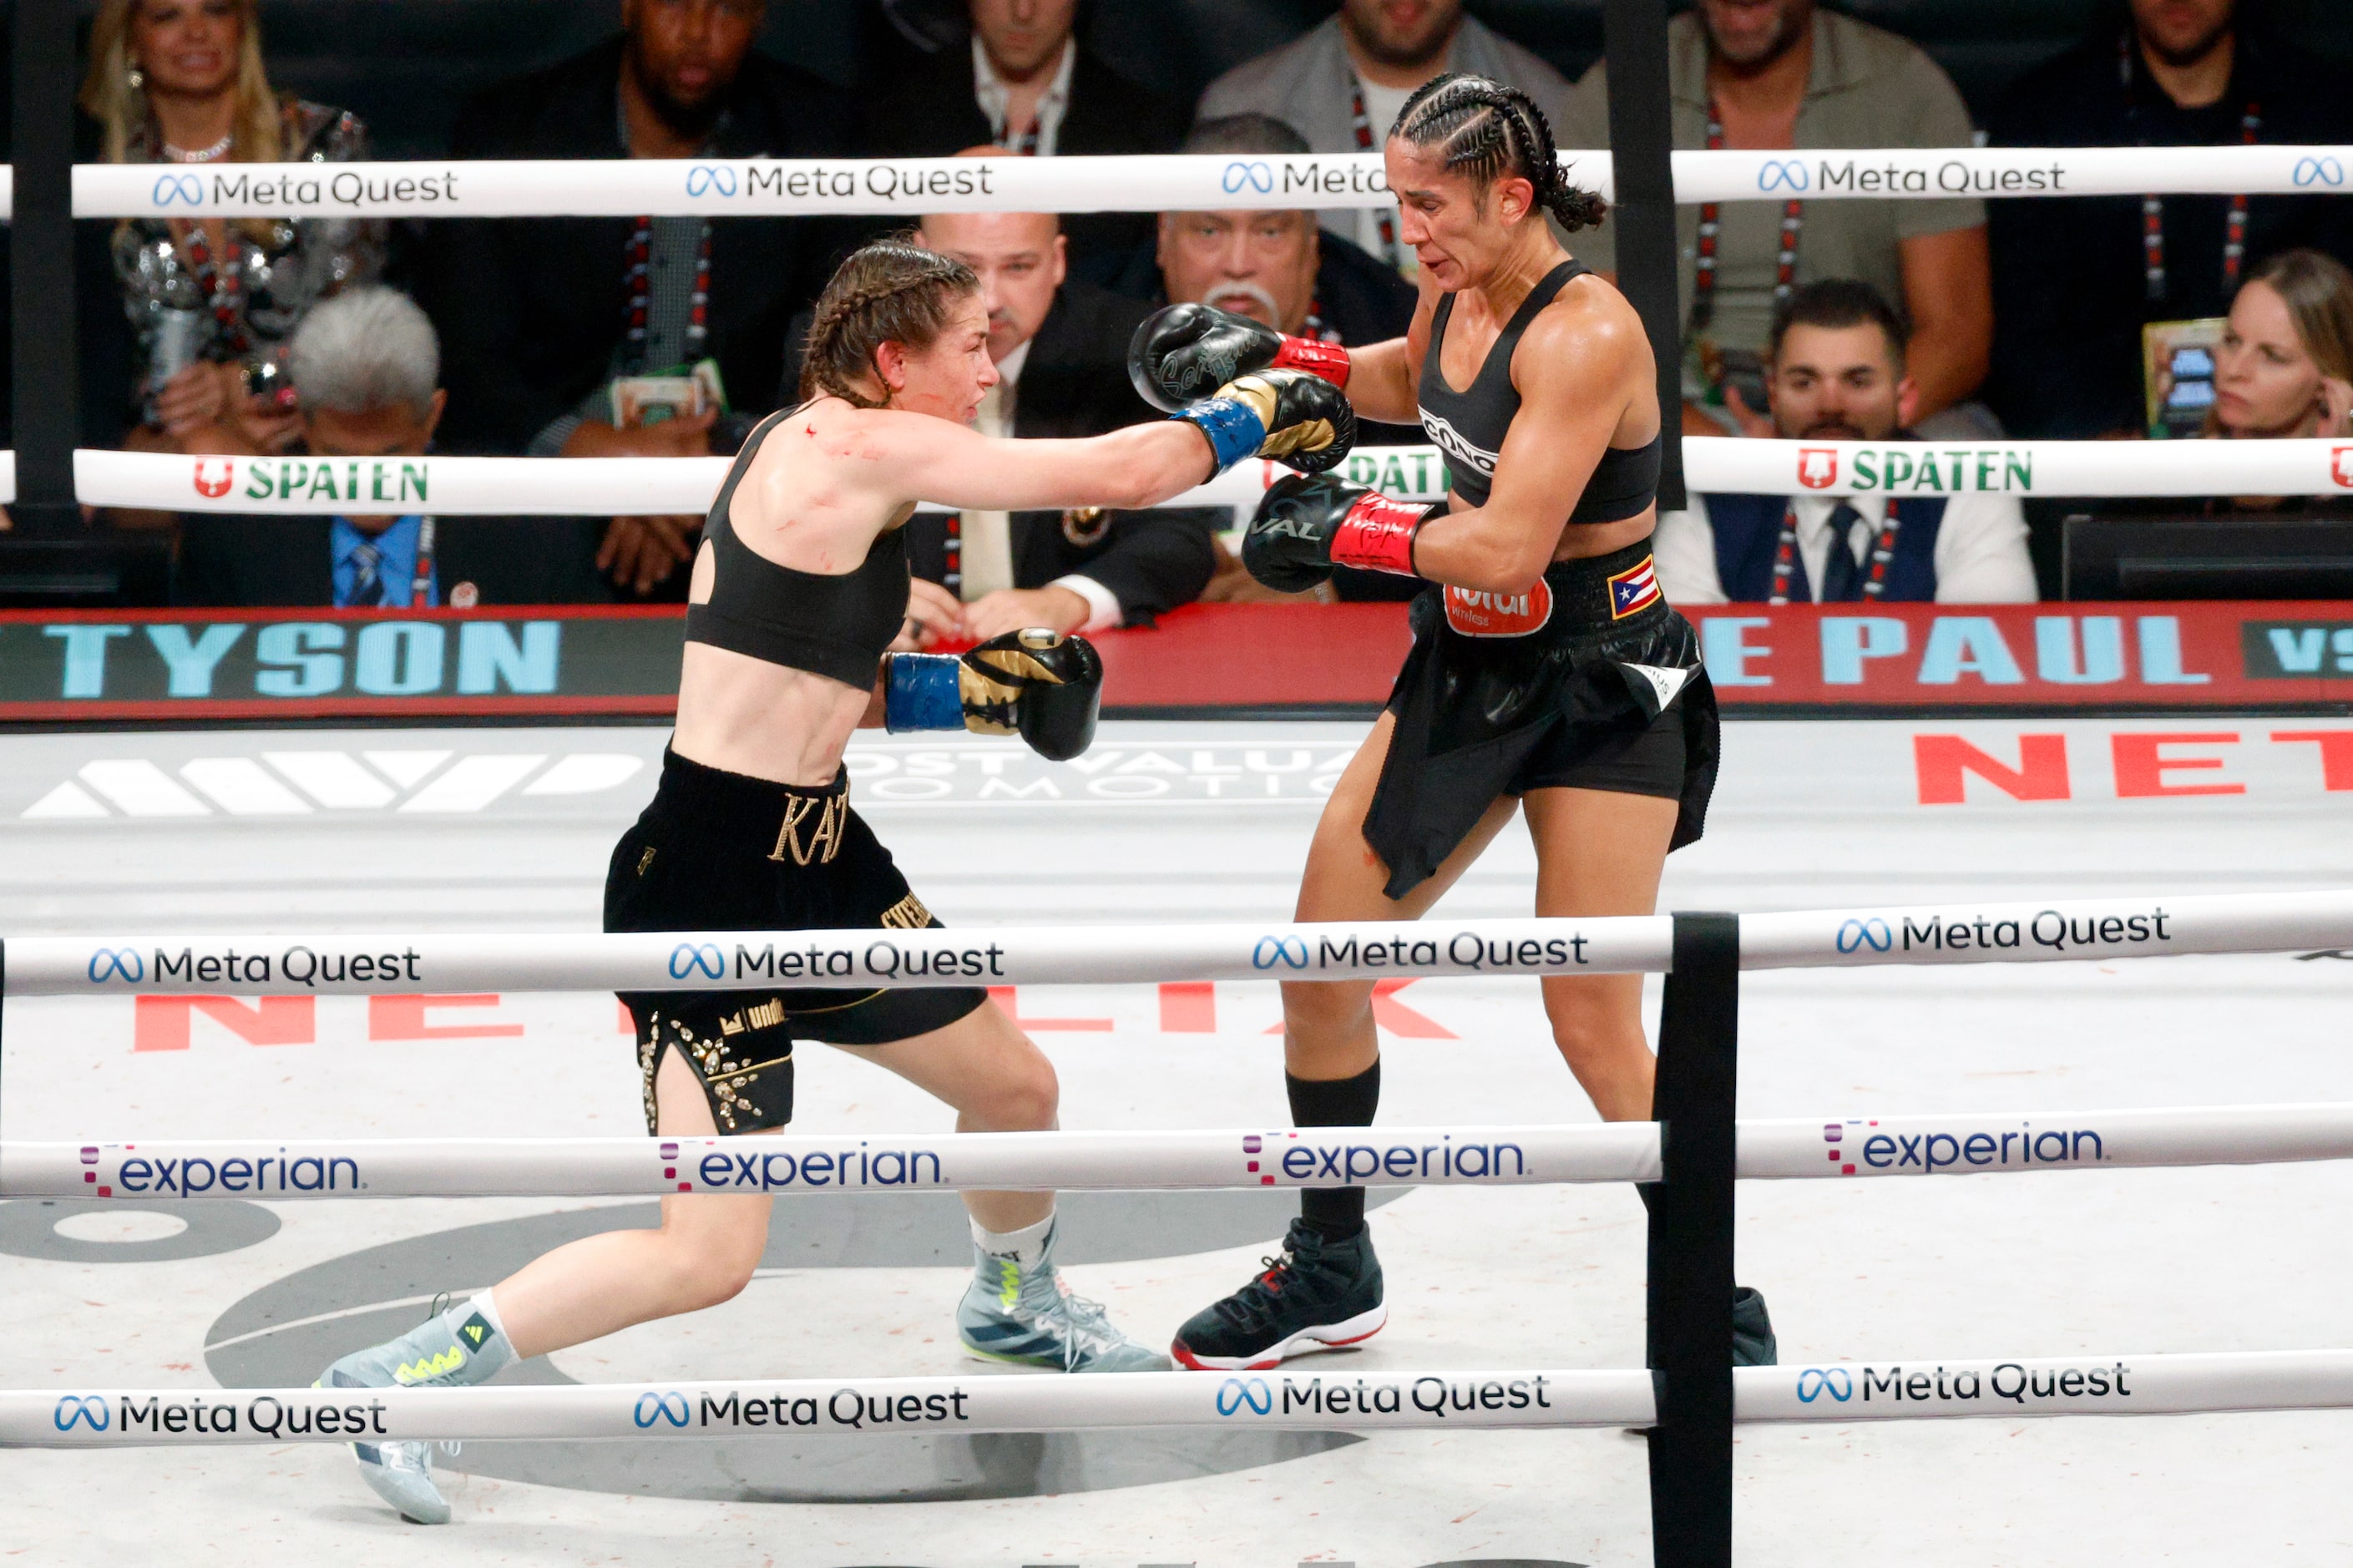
[645, 859]
[766, 1015]
[806, 841]
[732, 1023]
[907, 914]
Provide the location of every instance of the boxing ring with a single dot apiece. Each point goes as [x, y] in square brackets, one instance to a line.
[1696, 1407]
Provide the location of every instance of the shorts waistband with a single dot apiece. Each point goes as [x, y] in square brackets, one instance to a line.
[1603, 591]
[731, 804]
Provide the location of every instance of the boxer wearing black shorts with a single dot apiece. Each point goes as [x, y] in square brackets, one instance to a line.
[800, 592]
[1548, 676]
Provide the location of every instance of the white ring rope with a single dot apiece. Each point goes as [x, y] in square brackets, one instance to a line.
[1971, 1143]
[1311, 1399]
[868, 1162]
[606, 486]
[2016, 930]
[910, 187]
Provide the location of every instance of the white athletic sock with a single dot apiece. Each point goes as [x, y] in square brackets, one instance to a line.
[1026, 1248]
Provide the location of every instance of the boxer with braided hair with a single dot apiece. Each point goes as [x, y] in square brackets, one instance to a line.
[799, 590]
[1547, 672]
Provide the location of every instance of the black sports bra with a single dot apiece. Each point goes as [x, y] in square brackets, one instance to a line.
[829, 624]
[1469, 425]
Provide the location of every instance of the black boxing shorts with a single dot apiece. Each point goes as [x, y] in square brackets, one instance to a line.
[1590, 681]
[719, 851]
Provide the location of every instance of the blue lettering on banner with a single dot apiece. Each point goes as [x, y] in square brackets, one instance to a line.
[1872, 933]
[710, 179]
[1776, 173]
[687, 957]
[90, 1409]
[668, 1406]
[1258, 176]
[1271, 950]
[2322, 170]
[111, 962]
[861, 1167]
[1238, 1392]
[1815, 1381]
[170, 188]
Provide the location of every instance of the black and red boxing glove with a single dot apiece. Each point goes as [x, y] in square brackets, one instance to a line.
[1309, 524]
[1182, 354]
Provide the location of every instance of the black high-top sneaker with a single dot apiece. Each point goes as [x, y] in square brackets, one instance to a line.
[1319, 1295]
[1753, 1343]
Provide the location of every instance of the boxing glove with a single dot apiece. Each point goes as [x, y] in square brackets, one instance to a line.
[1291, 416]
[1040, 685]
[1182, 352]
[1306, 525]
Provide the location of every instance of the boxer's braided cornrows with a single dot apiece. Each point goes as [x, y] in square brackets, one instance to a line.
[888, 291]
[1485, 129]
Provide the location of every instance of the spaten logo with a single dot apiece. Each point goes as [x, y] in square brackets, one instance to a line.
[2340, 465]
[1872, 933]
[668, 1406]
[108, 962]
[1274, 950]
[1237, 1391]
[1777, 175]
[1818, 467]
[170, 188]
[710, 179]
[687, 957]
[1815, 1381]
[213, 486]
[90, 1409]
[1260, 177]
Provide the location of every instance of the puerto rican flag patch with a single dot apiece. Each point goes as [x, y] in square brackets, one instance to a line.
[1635, 588]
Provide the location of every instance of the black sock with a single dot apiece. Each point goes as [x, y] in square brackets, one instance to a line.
[1336, 1214]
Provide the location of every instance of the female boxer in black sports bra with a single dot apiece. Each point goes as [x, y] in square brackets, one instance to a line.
[798, 590]
[1547, 674]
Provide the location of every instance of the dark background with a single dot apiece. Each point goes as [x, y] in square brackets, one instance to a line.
[404, 65]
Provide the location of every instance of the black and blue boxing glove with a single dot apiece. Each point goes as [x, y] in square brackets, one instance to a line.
[1291, 416]
[1040, 685]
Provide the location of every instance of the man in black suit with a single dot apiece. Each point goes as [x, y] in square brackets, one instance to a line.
[366, 371]
[542, 315]
[1061, 347]
[1027, 84]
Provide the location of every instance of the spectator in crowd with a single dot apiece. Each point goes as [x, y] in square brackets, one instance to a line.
[1782, 73]
[2285, 364]
[214, 302]
[1060, 346]
[366, 368]
[1342, 84]
[1837, 370]
[2283, 369]
[544, 316]
[1027, 84]
[1277, 267]
[2076, 280]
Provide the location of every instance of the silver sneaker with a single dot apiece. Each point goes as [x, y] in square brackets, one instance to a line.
[402, 1474]
[1029, 1317]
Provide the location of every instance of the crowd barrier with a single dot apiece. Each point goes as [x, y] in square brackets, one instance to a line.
[1981, 1143]
[2012, 931]
[1151, 183]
